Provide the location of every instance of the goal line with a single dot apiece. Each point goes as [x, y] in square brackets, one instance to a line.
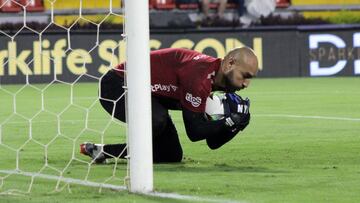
[113, 187]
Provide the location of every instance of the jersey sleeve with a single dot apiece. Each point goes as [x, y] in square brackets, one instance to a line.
[194, 80]
[120, 69]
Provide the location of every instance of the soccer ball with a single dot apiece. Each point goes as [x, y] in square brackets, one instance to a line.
[214, 107]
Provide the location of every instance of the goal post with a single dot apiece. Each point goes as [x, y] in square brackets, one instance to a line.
[139, 95]
[49, 100]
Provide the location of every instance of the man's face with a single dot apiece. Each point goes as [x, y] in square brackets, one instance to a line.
[238, 77]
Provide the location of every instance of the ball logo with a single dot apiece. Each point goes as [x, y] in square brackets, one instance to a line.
[195, 101]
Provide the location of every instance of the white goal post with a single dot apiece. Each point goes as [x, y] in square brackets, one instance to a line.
[48, 110]
[139, 95]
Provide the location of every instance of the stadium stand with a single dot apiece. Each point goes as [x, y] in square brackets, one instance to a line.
[33, 5]
[295, 5]
[178, 11]
[187, 4]
[163, 4]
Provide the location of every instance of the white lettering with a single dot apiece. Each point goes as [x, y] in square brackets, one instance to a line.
[315, 69]
[356, 38]
[164, 88]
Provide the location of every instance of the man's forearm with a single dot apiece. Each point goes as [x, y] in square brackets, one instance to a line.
[198, 128]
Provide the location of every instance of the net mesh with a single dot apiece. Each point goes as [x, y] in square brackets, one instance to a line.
[49, 104]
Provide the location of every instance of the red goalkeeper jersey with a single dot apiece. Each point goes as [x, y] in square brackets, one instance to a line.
[183, 75]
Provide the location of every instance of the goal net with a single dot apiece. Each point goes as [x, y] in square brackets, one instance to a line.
[49, 102]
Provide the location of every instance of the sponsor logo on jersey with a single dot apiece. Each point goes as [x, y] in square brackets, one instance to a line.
[173, 87]
[164, 88]
[195, 101]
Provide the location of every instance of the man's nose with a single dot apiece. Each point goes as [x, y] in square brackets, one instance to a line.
[245, 83]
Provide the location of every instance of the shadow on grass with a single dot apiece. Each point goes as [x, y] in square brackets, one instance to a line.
[216, 167]
[193, 166]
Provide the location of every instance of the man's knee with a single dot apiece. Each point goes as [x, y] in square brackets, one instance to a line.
[167, 147]
[172, 157]
[177, 157]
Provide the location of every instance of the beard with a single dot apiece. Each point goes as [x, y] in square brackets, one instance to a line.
[229, 85]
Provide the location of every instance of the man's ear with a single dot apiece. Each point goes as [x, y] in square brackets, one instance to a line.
[231, 60]
[228, 64]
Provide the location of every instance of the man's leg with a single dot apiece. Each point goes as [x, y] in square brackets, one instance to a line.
[112, 95]
[221, 8]
[205, 8]
[166, 144]
[241, 7]
[112, 99]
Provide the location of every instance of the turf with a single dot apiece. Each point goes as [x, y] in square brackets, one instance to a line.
[276, 159]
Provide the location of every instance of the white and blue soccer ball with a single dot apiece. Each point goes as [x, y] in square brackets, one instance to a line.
[214, 107]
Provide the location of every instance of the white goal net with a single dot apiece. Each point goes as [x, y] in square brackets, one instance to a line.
[49, 101]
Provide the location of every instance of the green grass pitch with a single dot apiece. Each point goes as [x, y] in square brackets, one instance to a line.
[283, 156]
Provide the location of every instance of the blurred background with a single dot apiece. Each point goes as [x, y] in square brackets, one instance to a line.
[302, 145]
[291, 38]
[194, 13]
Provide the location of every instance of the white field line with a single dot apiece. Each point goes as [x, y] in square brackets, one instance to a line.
[307, 117]
[114, 187]
[63, 179]
[62, 121]
[190, 198]
[255, 115]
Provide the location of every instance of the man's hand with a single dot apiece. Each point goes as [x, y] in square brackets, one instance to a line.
[237, 114]
[237, 104]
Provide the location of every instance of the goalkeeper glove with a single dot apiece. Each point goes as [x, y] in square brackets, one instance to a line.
[237, 115]
[236, 104]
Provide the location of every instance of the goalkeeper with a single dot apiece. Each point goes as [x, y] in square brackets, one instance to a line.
[182, 79]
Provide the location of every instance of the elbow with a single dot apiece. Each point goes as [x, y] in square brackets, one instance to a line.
[193, 137]
[214, 143]
[213, 146]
